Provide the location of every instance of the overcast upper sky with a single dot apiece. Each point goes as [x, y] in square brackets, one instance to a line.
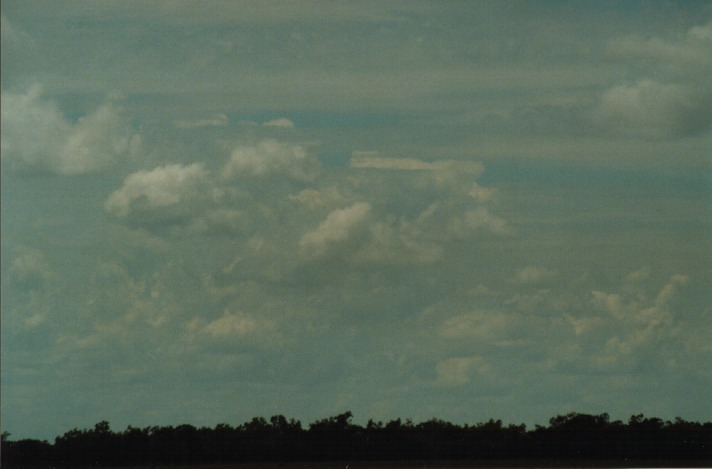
[215, 210]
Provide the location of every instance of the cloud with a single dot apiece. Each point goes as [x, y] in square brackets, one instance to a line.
[283, 123]
[479, 219]
[218, 120]
[673, 99]
[532, 275]
[688, 54]
[159, 195]
[13, 36]
[318, 199]
[336, 230]
[654, 110]
[233, 329]
[640, 322]
[401, 243]
[268, 157]
[36, 137]
[232, 325]
[30, 269]
[488, 326]
[368, 160]
[460, 370]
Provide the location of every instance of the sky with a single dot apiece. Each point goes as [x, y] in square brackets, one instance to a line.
[216, 210]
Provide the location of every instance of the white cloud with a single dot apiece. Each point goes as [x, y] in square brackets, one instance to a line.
[235, 326]
[368, 160]
[480, 325]
[639, 322]
[480, 194]
[13, 36]
[31, 268]
[267, 157]
[399, 244]
[166, 186]
[460, 370]
[37, 137]
[317, 199]
[476, 220]
[532, 275]
[669, 290]
[283, 123]
[218, 120]
[688, 54]
[336, 230]
[654, 110]
[231, 324]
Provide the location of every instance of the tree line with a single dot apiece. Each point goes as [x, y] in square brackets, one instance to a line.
[571, 437]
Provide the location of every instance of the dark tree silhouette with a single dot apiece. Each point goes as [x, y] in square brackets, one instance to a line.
[574, 438]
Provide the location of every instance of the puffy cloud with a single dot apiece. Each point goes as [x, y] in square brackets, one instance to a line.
[317, 199]
[460, 370]
[12, 36]
[402, 243]
[480, 194]
[267, 157]
[688, 54]
[159, 193]
[234, 326]
[639, 323]
[336, 230]
[471, 325]
[231, 324]
[532, 275]
[654, 110]
[476, 220]
[31, 269]
[37, 137]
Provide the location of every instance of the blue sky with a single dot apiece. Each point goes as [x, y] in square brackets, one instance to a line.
[465, 210]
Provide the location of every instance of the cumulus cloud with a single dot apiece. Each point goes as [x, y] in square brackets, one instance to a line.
[401, 243]
[36, 136]
[460, 370]
[532, 275]
[677, 102]
[639, 321]
[689, 54]
[31, 269]
[479, 219]
[268, 157]
[655, 110]
[231, 324]
[318, 199]
[234, 326]
[336, 230]
[486, 326]
[160, 193]
[12, 35]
